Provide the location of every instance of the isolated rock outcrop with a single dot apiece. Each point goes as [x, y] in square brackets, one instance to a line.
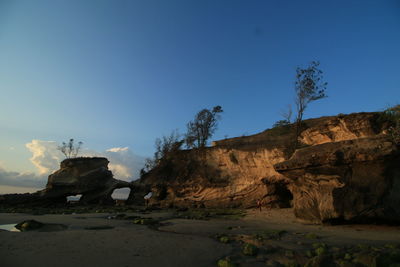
[88, 177]
[356, 180]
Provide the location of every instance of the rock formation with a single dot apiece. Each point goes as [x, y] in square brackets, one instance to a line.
[355, 180]
[237, 172]
[89, 177]
[346, 168]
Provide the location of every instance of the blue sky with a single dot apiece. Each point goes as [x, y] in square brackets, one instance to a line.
[122, 73]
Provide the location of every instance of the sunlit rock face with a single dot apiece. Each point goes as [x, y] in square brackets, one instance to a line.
[356, 180]
[221, 177]
[88, 177]
[237, 172]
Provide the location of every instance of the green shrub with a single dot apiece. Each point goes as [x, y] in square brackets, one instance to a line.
[309, 254]
[249, 249]
[281, 123]
[311, 236]
[225, 263]
[320, 251]
[391, 118]
[318, 245]
[270, 234]
[224, 239]
[145, 221]
[347, 256]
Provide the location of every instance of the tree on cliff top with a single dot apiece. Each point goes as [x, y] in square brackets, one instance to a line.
[165, 148]
[309, 86]
[202, 127]
[392, 116]
[287, 117]
[70, 150]
[167, 145]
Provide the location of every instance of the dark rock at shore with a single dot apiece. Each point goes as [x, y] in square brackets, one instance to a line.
[32, 225]
[29, 225]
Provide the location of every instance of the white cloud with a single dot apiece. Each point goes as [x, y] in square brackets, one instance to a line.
[120, 171]
[45, 155]
[124, 164]
[117, 149]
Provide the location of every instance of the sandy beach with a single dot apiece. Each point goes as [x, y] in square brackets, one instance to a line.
[100, 239]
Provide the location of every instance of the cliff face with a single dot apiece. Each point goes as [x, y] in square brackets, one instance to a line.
[220, 177]
[239, 171]
[354, 180]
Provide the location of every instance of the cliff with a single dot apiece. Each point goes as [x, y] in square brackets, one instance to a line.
[355, 180]
[239, 171]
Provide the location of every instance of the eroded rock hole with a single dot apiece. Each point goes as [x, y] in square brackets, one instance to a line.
[74, 198]
[120, 196]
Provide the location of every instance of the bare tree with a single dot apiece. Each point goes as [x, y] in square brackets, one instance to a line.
[309, 86]
[287, 117]
[70, 150]
[202, 127]
[167, 144]
[165, 147]
[287, 114]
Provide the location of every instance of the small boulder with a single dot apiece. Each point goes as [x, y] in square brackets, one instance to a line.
[29, 225]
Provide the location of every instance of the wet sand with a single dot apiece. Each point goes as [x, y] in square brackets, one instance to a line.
[176, 242]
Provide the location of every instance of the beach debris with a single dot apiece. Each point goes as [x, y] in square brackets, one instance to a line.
[145, 221]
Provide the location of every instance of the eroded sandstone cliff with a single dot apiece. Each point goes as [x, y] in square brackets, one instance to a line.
[239, 171]
[355, 180]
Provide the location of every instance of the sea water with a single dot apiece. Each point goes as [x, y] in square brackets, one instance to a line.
[9, 227]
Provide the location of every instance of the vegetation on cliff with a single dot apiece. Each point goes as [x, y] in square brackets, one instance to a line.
[392, 116]
[202, 127]
[199, 131]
